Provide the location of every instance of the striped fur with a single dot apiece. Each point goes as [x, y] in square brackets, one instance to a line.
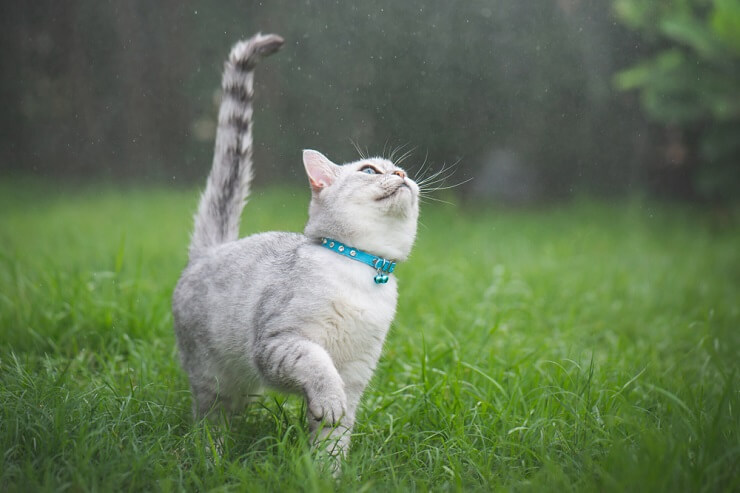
[217, 219]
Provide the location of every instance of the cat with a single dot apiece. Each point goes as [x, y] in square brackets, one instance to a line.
[301, 313]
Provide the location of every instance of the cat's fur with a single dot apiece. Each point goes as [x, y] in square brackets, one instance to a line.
[278, 309]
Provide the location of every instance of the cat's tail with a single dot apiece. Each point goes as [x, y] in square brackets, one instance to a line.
[217, 219]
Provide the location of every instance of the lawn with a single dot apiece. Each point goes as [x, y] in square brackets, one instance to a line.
[590, 346]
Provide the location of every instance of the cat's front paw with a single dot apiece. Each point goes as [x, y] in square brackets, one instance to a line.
[328, 407]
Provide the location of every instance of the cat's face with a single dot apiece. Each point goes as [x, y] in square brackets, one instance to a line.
[370, 204]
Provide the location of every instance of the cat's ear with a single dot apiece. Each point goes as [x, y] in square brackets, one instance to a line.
[321, 172]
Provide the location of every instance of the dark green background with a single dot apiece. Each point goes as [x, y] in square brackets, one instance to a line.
[521, 93]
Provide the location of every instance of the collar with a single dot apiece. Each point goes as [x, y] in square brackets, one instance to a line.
[382, 265]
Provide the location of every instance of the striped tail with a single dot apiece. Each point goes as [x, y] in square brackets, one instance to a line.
[217, 219]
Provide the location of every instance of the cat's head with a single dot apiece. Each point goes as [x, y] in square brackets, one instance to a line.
[370, 204]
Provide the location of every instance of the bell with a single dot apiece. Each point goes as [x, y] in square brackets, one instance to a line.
[380, 279]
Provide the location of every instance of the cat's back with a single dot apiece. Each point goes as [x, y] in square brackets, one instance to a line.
[224, 265]
[226, 275]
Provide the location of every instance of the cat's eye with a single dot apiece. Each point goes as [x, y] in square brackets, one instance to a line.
[369, 170]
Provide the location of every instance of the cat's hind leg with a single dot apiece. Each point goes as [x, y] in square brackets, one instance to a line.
[209, 402]
[210, 398]
[218, 407]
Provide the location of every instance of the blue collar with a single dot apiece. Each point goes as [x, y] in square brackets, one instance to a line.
[382, 265]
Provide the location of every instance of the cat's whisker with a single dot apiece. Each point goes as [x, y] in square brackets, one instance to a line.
[426, 198]
[431, 176]
[439, 176]
[433, 180]
[423, 167]
[436, 173]
[385, 146]
[436, 182]
[392, 157]
[436, 189]
[362, 154]
[441, 183]
[404, 156]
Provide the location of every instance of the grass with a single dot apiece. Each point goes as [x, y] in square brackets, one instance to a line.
[589, 347]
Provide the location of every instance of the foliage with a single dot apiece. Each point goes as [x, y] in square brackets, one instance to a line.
[692, 80]
[592, 347]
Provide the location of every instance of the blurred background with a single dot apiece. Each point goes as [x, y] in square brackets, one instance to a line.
[538, 101]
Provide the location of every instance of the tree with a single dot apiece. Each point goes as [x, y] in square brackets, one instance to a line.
[691, 82]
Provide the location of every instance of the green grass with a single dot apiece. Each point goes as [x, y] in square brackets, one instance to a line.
[589, 347]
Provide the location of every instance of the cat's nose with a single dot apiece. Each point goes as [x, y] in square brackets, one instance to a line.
[400, 173]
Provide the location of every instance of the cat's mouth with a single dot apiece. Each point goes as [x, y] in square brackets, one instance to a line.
[393, 192]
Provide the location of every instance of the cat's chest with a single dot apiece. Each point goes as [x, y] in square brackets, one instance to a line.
[357, 314]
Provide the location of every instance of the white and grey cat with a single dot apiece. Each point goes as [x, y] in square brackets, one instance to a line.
[281, 310]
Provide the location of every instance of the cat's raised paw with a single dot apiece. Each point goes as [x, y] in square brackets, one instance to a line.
[329, 408]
